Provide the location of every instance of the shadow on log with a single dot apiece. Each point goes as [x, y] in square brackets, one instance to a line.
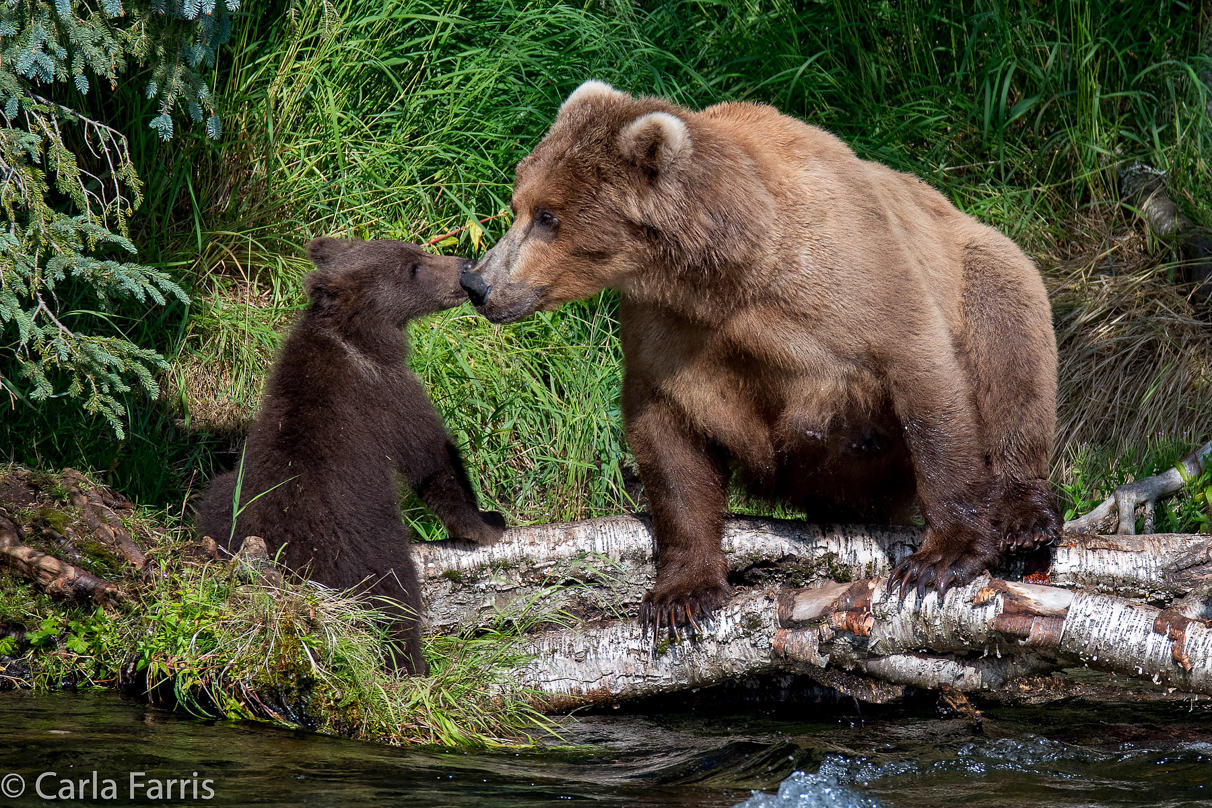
[810, 599]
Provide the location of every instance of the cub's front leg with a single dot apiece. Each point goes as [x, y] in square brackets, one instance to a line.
[446, 491]
[684, 476]
[431, 466]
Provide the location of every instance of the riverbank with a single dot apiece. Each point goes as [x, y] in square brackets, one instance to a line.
[230, 638]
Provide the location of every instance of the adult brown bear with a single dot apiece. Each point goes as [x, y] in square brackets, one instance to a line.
[342, 419]
[833, 331]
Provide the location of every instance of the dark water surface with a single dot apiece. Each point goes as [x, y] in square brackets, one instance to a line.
[1072, 755]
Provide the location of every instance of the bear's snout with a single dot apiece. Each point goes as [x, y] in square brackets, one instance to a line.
[473, 284]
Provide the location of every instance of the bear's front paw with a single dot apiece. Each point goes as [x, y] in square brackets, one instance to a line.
[938, 570]
[683, 602]
[1027, 517]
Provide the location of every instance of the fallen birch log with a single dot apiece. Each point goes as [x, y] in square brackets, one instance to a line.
[1049, 627]
[980, 638]
[604, 566]
[1154, 567]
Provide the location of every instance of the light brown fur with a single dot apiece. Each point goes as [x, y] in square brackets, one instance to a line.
[835, 331]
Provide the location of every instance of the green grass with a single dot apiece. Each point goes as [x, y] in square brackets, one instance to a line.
[405, 120]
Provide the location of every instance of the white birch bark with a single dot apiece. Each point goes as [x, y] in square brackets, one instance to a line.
[980, 637]
[601, 568]
[1153, 567]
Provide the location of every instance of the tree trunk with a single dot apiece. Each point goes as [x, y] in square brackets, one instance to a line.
[795, 609]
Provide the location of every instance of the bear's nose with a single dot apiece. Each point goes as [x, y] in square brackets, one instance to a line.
[473, 284]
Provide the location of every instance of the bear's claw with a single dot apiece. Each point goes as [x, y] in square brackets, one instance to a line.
[1027, 518]
[692, 613]
[924, 572]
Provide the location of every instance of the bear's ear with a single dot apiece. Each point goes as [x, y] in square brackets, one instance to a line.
[658, 142]
[590, 90]
[321, 287]
[323, 250]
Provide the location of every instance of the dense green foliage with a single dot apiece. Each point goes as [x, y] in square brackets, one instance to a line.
[70, 188]
[404, 120]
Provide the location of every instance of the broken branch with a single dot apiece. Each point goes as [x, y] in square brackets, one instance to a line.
[1144, 492]
[50, 575]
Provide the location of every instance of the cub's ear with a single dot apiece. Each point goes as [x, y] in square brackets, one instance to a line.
[657, 142]
[322, 287]
[590, 91]
[324, 250]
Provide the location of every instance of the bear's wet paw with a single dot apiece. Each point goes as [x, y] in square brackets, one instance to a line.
[1027, 517]
[677, 610]
[937, 571]
[488, 529]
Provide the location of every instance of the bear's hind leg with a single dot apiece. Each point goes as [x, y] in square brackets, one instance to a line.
[392, 586]
[1010, 350]
[215, 512]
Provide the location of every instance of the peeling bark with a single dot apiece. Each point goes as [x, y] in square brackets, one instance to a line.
[1045, 627]
[981, 637]
[600, 568]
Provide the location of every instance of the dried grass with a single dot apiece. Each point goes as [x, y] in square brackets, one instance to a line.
[1135, 356]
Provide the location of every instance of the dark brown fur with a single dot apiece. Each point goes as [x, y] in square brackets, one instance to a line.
[835, 329]
[341, 419]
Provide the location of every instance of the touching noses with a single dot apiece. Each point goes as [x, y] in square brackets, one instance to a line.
[473, 284]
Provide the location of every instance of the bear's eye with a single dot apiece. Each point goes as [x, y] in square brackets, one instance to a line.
[546, 218]
[414, 269]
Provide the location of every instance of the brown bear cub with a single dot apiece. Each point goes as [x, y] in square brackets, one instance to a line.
[834, 332]
[341, 419]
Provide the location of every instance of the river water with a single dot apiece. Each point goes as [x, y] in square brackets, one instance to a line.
[1157, 755]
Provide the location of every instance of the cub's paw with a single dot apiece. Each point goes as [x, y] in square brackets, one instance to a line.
[490, 529]
[938, 570]
[683, 603]
[1026, 517]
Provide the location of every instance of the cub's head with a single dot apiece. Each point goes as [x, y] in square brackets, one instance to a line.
[587, 203]
[393, 280]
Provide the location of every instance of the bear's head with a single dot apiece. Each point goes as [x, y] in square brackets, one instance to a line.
[608, 192]
[381, 280]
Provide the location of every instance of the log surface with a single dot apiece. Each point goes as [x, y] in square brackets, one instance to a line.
[810, 599]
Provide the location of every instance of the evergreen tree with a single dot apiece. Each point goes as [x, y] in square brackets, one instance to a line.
[68, 186]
